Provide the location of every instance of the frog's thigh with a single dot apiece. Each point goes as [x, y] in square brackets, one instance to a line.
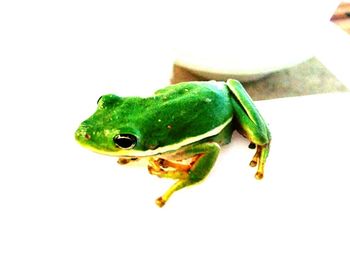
[252, 125]
[207, 154]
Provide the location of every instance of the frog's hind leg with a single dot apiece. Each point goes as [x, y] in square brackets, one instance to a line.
[203, 158]
[251, 125]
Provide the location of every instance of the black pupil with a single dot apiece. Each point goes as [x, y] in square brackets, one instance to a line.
[125, 141]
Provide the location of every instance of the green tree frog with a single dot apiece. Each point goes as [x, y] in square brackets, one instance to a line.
[179, 129]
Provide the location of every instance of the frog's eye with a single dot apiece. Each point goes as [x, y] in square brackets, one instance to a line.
[99, 99]
[108, 100]
[125, 141]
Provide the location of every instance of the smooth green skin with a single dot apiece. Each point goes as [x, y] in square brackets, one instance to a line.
[180, 121]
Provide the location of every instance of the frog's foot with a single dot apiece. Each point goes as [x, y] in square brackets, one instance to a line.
[256, 157]
[126, 160]
[160, 201]
[259, 159]
[202, 158]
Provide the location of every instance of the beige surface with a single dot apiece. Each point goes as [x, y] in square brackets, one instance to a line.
[310, 77]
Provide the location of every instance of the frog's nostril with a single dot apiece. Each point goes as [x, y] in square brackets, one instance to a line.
[82, 134]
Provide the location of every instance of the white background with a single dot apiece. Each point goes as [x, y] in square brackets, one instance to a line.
[62, 203]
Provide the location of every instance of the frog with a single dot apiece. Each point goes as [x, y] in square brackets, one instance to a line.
[179, 130]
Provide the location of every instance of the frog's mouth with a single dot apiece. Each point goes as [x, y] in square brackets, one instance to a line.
[86, 140]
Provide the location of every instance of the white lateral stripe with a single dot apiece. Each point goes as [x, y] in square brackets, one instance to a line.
[172, 147]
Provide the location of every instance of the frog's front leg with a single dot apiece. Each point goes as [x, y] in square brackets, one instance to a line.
[203, 158]
[251, 125]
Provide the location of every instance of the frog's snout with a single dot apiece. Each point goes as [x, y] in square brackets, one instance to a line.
[82, 134]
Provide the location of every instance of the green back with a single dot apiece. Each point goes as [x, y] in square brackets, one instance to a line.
[172, 115]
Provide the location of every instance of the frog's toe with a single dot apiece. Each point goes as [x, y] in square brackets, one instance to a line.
[256, 157]
[259, 176]
[160, 201]
[123, 161]
[158, 172]
[253, 163]
[162, 163]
